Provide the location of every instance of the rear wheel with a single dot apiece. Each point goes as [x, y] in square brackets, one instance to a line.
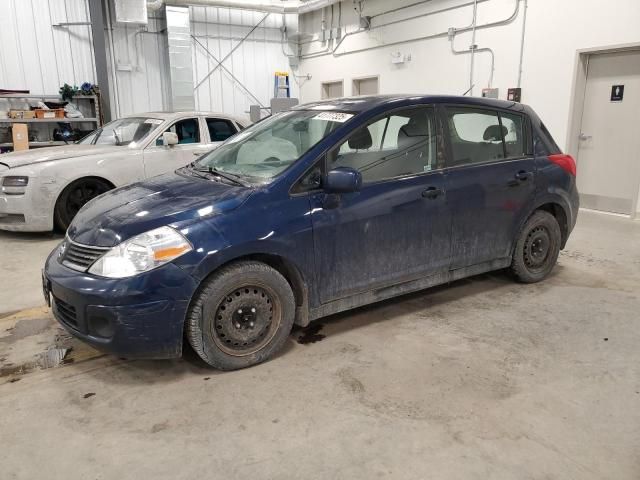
[241, 316]
[537, 248]
[74, 197]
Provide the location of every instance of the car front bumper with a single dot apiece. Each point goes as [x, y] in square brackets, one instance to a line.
[138, 317]
[28, 212]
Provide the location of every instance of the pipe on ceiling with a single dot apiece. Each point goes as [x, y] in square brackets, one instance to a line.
[446, 34]
[272, 6]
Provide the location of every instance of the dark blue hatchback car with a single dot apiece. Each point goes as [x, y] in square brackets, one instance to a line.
[310, 212]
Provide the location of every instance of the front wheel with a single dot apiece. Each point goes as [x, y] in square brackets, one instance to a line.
[74, 197]
[537, 248]
[241, 316]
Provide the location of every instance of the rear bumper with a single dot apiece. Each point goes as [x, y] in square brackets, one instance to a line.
[138, 317]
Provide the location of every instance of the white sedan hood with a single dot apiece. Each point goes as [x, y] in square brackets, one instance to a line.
[48, 154]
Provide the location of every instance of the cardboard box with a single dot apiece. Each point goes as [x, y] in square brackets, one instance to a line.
[54, 113]
[20, 133]
[22, 114]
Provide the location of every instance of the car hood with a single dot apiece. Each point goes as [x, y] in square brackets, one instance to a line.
[49, 154]
[168, 199]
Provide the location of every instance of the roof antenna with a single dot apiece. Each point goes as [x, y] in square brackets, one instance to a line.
[470, 88]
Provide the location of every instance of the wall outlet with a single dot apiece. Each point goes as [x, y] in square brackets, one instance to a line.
[491, 92]
[398, 58]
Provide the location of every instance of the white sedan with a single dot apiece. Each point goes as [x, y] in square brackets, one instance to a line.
[46, 187]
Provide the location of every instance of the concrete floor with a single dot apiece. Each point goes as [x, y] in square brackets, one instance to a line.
[484, 379]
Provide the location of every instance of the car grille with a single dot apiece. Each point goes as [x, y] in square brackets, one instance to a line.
[66, 312]
[81, 257]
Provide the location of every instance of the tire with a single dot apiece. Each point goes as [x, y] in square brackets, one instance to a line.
[74, 197]
[241, 315]
[537, 248]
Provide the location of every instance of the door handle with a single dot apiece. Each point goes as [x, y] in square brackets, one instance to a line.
[432, 192]
[584, 136]
[523, 176]
[520, 177]
[197, 154]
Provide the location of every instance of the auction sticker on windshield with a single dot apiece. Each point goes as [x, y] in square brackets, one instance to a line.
[333, 116]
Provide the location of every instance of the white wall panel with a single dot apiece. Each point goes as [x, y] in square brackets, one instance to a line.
[37, 56]
[253, 63]
[555, 31]
[140, 73]
[143, 86]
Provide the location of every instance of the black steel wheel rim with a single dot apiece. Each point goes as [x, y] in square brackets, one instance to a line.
[246, 320]
[537, 248]
[82, 193]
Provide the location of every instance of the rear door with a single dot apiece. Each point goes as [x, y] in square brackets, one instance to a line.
[219, 129]
[396, 228]
[490, 181]
[191, 144]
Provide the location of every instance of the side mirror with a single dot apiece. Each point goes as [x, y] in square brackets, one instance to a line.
[169, 139]
[343, 180]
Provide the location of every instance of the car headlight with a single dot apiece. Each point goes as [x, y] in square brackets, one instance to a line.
[141, 253]
[15, 181]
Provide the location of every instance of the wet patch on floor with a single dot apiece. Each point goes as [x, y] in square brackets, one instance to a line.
[32, 340]
[311, 334]
[25, 328]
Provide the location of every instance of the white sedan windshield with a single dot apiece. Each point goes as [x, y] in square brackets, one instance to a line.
[123, 132]
[266, 149]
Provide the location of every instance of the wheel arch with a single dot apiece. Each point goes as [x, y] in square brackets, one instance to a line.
[70, 182]
[561, 217]
[287, 269]
[559, 211]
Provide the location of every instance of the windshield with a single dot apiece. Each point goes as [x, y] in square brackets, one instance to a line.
[124, 132]
[266, 149]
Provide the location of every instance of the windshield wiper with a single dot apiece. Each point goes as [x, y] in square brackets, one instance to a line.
[198, 173]
[227, 176]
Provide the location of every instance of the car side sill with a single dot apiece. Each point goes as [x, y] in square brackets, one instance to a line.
[385, 293]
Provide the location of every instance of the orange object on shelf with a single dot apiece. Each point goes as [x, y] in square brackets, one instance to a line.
[53, 113]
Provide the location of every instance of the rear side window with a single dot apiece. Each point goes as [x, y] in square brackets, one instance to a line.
[479, 136]
[547, 145]
[220, 129]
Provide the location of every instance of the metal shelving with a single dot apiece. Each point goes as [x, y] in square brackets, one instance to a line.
[93, 109]
[48, 120]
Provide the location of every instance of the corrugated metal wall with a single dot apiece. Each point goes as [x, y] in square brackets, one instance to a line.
[142, 67]
[37, 56]
[253, 63]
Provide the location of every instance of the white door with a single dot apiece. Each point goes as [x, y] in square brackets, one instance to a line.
[192, 142]
[609, 149]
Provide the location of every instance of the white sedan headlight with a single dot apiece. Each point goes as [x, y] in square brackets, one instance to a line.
[141, 253]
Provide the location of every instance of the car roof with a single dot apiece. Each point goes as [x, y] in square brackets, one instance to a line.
[368, 102]
[169, 115]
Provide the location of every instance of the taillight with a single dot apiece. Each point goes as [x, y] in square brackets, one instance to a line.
[565, 162]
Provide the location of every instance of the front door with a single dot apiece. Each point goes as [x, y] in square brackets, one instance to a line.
[160, 159]
[609, 150]
[490, 182]
[396, 228]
